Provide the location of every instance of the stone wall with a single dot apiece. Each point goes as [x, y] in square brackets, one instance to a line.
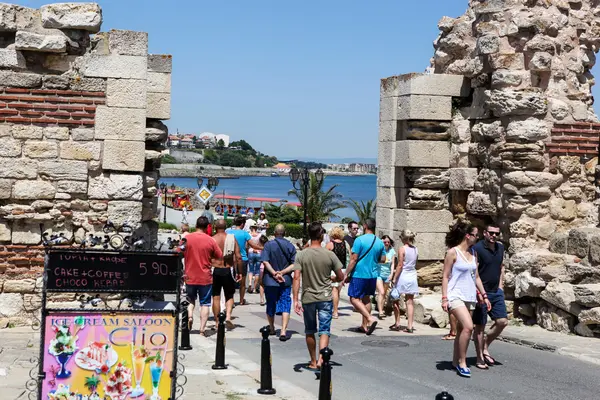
[516, 147]
[80, 122]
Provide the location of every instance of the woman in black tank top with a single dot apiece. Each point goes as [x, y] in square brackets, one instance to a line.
[338, 246]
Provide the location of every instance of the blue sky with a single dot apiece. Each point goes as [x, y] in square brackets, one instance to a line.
[293, 78]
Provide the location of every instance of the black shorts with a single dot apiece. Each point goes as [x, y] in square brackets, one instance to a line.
[223, 279]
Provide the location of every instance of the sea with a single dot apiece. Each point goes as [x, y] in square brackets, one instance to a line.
[360, 188]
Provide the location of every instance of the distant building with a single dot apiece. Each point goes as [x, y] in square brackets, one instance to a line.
[187, 143]
[282, 167]
[354, 167]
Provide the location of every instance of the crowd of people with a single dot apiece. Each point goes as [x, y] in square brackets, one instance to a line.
[309, 278]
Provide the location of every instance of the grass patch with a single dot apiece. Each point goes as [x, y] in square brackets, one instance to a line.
[219, 382]
[233, 396]
[166, 225]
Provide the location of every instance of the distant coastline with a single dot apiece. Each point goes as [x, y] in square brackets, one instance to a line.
[194, 170]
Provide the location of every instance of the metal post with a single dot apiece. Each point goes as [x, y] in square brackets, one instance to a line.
[325, 386]
[220, 351]
[185, 328]
[444, 396]
[165, 206]
[305, 227]
[266, 378]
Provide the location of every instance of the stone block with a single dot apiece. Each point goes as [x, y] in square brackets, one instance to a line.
[160, 63]
[81, 134]
[120, 123]
[86, 16]
[116, 187]
[58, 170]
[159, 82]
[115, 66]
[38, 42]
[10, 148]
[388, 197]
[5, 188]
[72, 187]
[20, 79]
[55, 82]
[130, 93]
[422, 153]
[158, 105]
[8, 17]
[479, 203]
[432, 246]
[387, 176]
[123, 156]
[428, 221]
[19, 168]
[462, 178]
[19, 286]
[27, 132]
[31, 190]
[80, 150]
[384, 218]
[11, 304]
[5, 130]
[425, 107]
[40, 149]
[24, 232]
[505, 103]
[128, 43]
[11, 58]
[388, 131]
[433, 85]
[121, 211]
[386, 153]
[56, 132]
[388, 108]
[88, 84]
[5, 232]
[59, 62]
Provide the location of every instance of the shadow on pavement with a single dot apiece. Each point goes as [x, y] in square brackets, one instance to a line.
[447, 365]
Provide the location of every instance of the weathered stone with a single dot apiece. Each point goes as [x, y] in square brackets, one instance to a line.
[27, 132]
[488, 44]
[82, 134]
[504, 103]
[460, 131]
[594, 256]
[425, 84]
[123, 156]
[561, 295]
[459, 155]
[56, 132]
[19, 286]
[5, 232]
[40, 149]
[570, 193]
[88, 84]
[531, 129]
[10, 304]
[5, 188]
[152, 155]
[421, 153]
[479, 203]
[528, 286]
[5, 130]
[541, 61]
[130, 93]
[430, 275]
[526, 309]
[20, 79]
[589, 317]
[587, 294]
[522, 228]
[80, 150]
[429, 178]
[116, 186]
[538, 210]
[582, 329]
[158, 105]
[159, 82]
[462, 178]
[424, 199]
[10, 148]
[554, 319]
[569, 165]
[532, 178]
[545, 229]
[129, 43]
[509, 78]
[121, 211]
[55, 82]
[45, 43]
[508, 61]
[26, 233]
[59, 170]
[155, 135]
[86, 16]
[564, 210]
[59, 62]
[578, 242]
[160, 63]
[26, 190]
[559, 109]
[115, 66]
[11, 58]
[488, 131]
[120, 123]
[42, 205]
[431, 221]
[20, 168]
[74, 187]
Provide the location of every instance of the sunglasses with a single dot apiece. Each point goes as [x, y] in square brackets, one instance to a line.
[493, 233]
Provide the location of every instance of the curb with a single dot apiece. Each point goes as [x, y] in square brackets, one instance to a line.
[527, 343]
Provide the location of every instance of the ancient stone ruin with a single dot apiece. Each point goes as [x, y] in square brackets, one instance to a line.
[501, 129]
[81, 133]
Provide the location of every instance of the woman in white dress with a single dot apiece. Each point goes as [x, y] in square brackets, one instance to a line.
[405, 280]
[460, 283]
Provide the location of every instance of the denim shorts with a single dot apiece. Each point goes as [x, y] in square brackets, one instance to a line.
[321, 310]
[497, 311]
[201, 292]
[279, 300]
[254, 263]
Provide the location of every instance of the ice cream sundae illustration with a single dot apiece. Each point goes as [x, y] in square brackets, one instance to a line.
[62, 347]
[119, 383]
[63, 392]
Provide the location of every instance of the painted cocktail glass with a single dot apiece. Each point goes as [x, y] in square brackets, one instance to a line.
[138, 360]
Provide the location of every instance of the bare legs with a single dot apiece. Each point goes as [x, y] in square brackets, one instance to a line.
[336, 299]
[312, 351]
[285, 319]
[397, 313]
[410, 310]
[216, 308]
[363, 306]
[482, 341]
[381, 291]
[464, 332]
[204, 312]
[243, 289]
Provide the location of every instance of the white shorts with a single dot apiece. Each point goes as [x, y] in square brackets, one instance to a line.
[456, 303]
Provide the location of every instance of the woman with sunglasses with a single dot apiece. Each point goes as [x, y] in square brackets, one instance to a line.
[460, 283]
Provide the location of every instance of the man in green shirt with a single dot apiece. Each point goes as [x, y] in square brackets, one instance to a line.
[314, 265]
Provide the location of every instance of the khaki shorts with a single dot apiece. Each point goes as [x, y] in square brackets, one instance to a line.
[456, 303]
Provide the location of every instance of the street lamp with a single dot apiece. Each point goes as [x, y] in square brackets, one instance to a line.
[163, 189]
[302, 177]
[212, 183]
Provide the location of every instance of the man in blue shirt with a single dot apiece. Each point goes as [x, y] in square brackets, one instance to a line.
[279, 255]
[243, 239]
[368, 250]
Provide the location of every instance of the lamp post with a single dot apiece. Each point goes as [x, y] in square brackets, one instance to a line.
[164, 189]
[302, 177]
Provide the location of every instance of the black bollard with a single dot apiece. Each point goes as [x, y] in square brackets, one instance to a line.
[220, 352]
[185, 327]
[444, 396]
[325, 387]
[266, 378]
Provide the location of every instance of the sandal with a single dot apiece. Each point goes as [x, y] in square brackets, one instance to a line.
[464, 372]
[411, 330]
[284, 338]
[243, 303]
[262, 303]
[395, 328]
[308, 367]
[448, 337]
[489, 360]
[202, 334]
[335, 316]
[371, 328]
[482, 365]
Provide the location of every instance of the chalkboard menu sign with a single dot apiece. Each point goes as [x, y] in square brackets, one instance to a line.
[112, 271]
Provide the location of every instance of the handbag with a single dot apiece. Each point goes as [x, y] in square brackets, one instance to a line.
[395, 294]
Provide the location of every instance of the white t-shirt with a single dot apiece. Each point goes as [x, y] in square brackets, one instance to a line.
[249, 223]
[262, 225]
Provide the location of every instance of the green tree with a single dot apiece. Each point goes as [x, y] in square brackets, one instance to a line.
[322, 204]
[234, 159]
[198, 144]
[282, 214]
[243, 145]
[168, 159]
[363, 210]
[211, 156]
[220, 144]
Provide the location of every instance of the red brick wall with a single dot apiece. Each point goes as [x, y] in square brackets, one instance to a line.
[49, 107]
[19, 261]
[574, 139]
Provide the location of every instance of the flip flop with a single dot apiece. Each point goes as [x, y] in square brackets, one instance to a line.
[395, 328]
[411, 330]
[312, 369]
[371, 328]
[489, 360]
[284, 338]
[360, 329]
[482, 366]
[229, 325]
[335, 316]
[262, 303]
[272, 333]
[448, 337]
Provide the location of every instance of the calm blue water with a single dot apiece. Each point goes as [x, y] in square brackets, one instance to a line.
[351, 187]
